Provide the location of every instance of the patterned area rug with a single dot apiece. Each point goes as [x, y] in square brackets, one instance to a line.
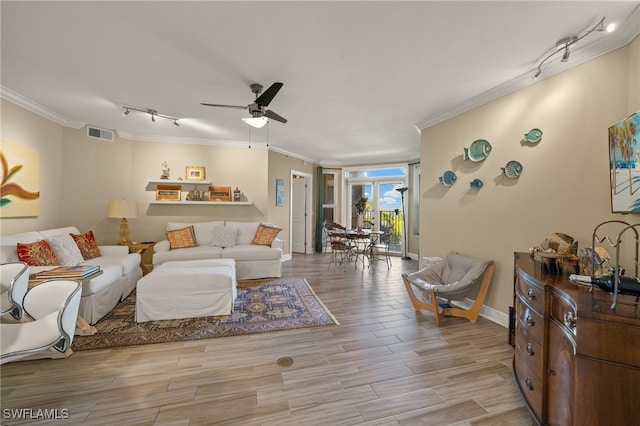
[281, 304]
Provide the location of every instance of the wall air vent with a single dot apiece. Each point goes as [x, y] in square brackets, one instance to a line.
[102, 134]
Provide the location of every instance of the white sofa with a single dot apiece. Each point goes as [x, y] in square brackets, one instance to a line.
[120, 270]
[252, 261]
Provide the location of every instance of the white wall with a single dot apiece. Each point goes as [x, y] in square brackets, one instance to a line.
[564, 186]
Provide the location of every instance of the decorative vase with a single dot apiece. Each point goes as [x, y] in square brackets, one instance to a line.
[360, 221]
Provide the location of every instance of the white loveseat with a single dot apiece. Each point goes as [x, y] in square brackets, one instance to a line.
[252, 261]
[120, 269]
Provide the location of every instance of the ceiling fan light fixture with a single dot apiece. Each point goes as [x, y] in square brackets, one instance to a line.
[257, 122]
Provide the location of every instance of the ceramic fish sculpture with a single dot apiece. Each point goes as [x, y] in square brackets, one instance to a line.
[448, 178]
[476, 183]
[512, 170]
[478, 151]
[533, 136]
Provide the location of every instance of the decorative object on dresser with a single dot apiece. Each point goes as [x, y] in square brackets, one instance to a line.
[194, 173]
[124, 210]
[576, 360]
[446, 279]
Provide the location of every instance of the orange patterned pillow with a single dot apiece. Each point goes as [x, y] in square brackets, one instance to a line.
[39, 253]
[182, 238]
[265, 235]
[87, 244]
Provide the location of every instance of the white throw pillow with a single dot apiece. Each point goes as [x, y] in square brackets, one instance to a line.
[224, 236]
[66, 250]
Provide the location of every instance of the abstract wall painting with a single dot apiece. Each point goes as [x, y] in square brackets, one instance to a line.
[279, 192]
[20, 181]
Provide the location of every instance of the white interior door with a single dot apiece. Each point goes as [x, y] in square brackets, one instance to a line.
[300, 214]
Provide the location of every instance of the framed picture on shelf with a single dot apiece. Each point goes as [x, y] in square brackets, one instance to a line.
[194, 173]
[279, 192]
[168, 193]
[219, 193]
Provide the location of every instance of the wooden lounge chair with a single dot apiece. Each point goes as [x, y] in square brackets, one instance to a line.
[447, 279]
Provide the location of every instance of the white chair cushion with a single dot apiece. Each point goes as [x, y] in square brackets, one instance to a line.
[48, 233]
[251, 252]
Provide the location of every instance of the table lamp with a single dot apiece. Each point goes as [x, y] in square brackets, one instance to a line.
[124, 210]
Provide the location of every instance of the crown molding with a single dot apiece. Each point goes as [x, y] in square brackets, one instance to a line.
[36, 108]
[190, 141]
[291, 154]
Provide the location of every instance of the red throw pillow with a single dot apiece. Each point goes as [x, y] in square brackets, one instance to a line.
[39, 253]
[87, 244]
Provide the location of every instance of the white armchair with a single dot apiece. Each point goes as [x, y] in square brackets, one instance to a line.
[14, 280]
[53, 305]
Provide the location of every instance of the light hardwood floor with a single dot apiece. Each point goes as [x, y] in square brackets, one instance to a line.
[384, 365]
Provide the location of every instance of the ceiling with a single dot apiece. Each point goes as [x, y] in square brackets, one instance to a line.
[360, 78]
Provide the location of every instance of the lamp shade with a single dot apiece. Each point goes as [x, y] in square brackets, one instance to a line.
[123, 209]
[257, 122]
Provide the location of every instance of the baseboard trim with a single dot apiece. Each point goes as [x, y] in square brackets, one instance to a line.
[487, 312]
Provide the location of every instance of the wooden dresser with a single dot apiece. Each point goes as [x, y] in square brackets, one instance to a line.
[576, 361]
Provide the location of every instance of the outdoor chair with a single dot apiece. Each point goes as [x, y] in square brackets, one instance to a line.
[53, 306]
[451, 278]
[14, 280]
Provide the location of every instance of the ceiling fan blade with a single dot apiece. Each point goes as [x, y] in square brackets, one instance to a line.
[267, 96]
[272, 115]
[225, 106]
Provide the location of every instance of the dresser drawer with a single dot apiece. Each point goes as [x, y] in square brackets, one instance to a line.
[529, 382]
[530, 321]
[563, 310]
[530, 293]
[530, 349]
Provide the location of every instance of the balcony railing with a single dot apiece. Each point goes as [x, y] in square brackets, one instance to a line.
[389, 222]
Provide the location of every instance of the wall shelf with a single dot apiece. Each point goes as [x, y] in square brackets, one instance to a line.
[153, 184]
[202, 203]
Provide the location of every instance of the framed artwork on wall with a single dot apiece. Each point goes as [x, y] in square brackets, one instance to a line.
[20, 194]
[194, 173]
[624, 165]
[279, 192]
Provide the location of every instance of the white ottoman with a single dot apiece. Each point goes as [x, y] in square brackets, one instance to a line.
[187, 289]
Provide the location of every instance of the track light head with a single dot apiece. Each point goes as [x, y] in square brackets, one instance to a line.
[126, 112]
[175, 123]
[565, 55]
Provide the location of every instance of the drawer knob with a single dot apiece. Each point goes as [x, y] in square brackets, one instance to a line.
[529, 320]
[530, 349]
[528, 383]
[531, 294]
[569, 320]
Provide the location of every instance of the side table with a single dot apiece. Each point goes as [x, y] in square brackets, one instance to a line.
[145, 250]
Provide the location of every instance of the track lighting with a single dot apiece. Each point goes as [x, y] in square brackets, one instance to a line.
[153, 113]
[564, 45]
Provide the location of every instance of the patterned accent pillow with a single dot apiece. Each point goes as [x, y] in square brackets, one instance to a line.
[224, 236]
[66, 250]
[39, 253]
[87, 244]
[182, 238]
[265, 235]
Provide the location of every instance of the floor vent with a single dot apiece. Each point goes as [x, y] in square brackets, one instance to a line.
[102, 134]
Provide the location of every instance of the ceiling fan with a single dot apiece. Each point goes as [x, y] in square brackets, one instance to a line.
[257, 109]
